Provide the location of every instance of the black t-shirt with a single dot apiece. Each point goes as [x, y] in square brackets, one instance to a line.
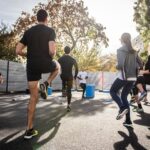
[36, 39]
[147, 67]
[67, 62]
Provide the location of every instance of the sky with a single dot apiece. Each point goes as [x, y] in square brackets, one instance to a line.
[115, 15]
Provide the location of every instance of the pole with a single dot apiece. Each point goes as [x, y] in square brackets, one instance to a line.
[7, 76]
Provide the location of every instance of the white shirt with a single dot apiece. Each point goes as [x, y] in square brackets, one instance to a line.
[83, 75]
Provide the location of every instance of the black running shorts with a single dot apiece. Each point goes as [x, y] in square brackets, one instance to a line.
[34, 71]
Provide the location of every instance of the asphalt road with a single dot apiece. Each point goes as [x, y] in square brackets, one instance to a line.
[91, 124]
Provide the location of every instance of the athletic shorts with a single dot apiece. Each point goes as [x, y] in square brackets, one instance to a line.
[34, 72]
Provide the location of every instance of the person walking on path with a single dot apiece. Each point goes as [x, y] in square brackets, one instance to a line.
[145, 73]
[82, 76]
[67, 62]
[40, 43]
[127, 66]
[139, 86]
[143, 79]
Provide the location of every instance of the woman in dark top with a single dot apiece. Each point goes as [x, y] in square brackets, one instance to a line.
[127, 69]
[141, 82]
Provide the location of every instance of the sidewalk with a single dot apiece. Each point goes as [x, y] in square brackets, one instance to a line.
[91, 125]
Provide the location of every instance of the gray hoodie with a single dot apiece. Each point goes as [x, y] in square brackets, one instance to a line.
[127, 62]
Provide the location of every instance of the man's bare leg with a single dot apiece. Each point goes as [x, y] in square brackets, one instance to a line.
[143, 93]
[54, 73]
[140, 87]
[33, 87]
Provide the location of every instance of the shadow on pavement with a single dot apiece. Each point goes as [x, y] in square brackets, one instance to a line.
[88, 107]
[144, 119]
[130, 139]
[47, 122]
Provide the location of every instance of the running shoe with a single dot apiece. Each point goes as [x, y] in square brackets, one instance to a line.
[43, 90]
[68, 108]
[142, 96]
[137, 109]
[128, 124]
[121, 113]
[30, 133]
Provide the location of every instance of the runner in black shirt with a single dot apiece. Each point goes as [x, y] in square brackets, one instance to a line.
[40, 43]
[67, 63]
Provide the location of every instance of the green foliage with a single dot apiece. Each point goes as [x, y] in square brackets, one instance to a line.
[87, 59]
[7, 45]
[142, 19]
[73, 27]
[108, 63]
[144, 56]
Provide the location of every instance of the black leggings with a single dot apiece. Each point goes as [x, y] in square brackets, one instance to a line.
[83, 86]
[66, 88]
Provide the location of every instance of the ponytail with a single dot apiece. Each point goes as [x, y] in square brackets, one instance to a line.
[126, 39]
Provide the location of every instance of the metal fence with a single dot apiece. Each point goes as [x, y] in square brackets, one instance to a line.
[15, 78]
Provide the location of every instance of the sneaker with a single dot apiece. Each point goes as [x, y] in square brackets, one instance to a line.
[121, 113]
[137, 109]
[43, 90]
[68, 108]
[30, 133]
[142, 96]
[128, 124]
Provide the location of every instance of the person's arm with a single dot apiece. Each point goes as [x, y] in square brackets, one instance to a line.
[78, 76]
[120, 59]
[139, 62]
[52, 48]
[19, 49]
[21, 45]
[141, 72]
[76, 69]
[52, 44]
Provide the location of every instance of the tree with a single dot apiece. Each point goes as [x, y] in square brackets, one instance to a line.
[7, 44]
[73, 26]
[88, 59]
[71, 21]
[142, 19]
[108, 63]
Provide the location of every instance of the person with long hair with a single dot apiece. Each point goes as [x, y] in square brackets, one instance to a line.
[127, 72]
